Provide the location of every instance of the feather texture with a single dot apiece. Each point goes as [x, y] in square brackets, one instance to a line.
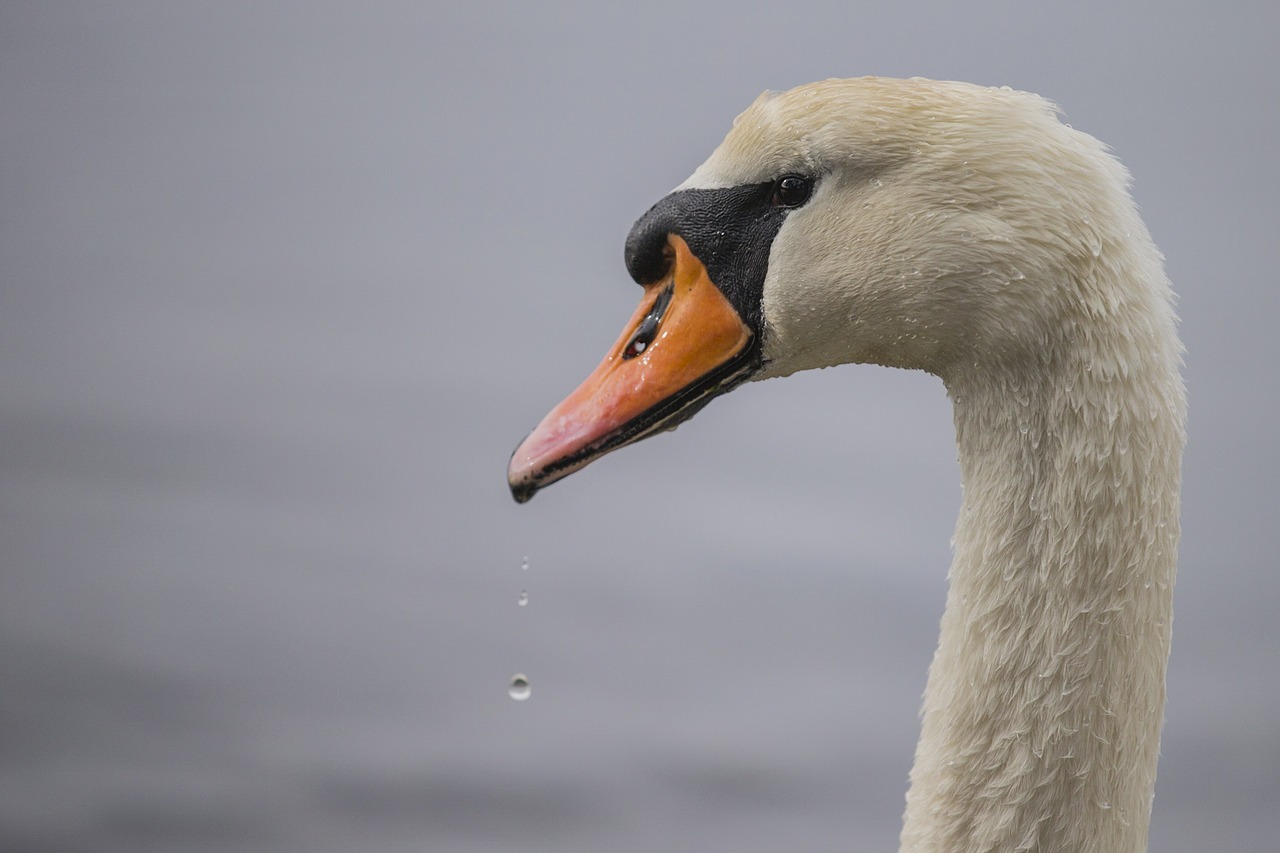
[968, 232]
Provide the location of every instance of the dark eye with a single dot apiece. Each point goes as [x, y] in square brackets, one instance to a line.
[791, 191]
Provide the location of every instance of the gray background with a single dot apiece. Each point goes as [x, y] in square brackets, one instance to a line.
[281, 286]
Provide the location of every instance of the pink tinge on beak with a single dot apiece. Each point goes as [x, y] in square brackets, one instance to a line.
[663, 350]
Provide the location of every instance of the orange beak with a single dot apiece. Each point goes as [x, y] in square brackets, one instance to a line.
[684, 345]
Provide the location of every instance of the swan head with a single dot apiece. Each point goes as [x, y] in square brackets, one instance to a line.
[908, 223]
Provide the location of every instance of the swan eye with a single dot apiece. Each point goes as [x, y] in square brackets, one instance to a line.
[648, 328]
[791, 191]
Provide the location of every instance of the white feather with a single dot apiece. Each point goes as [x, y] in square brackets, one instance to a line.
[967, 232]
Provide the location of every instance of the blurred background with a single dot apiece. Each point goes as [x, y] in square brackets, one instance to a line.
[283, 284]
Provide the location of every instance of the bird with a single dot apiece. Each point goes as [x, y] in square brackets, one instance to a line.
[969, 232]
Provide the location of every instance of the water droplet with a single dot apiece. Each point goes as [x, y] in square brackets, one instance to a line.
[524, 564]
[523, 598]
[519, 689]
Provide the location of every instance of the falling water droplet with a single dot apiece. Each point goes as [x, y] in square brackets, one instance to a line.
[523, 598]
[519, 689]
[524, 564]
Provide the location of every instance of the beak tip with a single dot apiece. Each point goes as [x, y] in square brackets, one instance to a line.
[523, 492]
[520, 477]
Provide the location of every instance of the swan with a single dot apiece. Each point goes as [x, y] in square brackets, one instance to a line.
[968, 232]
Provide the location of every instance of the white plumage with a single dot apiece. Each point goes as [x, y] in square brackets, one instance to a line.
[967, 232]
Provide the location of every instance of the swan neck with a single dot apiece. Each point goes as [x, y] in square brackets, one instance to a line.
[1044, 702]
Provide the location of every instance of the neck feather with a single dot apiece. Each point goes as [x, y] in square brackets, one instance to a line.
[1042, 714]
